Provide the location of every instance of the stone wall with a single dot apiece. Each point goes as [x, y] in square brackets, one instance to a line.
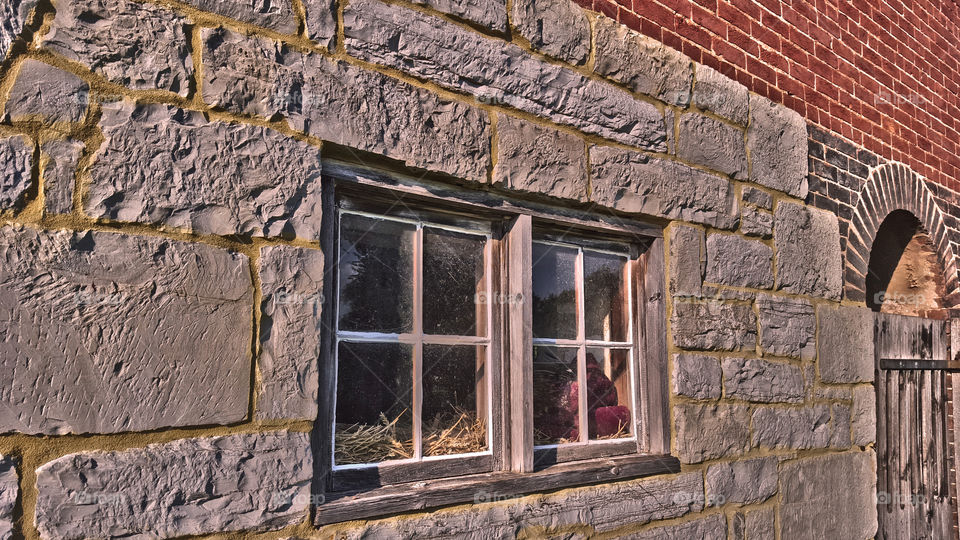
[161, 267]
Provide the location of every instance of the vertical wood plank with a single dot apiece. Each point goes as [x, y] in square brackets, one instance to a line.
[519, 263]
[652, 320]
[323, 431]
[495, 369]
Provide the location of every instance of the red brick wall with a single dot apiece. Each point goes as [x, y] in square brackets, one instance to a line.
[883, 74]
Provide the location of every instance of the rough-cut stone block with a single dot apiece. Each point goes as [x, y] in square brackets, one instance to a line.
[777, 139]
[756, 222]
[290, 326]
[636, 183]
[760, 524]
[321, 21]
[696, 376]
[642, 63]
[757, 197]
[864, 415]
[16, 159]
[796, 429]
[222, 178]
[535, 159]
[460, 59]
[346, 105]
[840, 437]
[754, 379]
[558, 28]
[14, 15]
[108, 332]
[711, 431]
[43, 92]
[742, 482]
[721, 95]
[705, 141]
[255, 481]
[787, 326]
[807, 241]
[687, 261]
[9, 491]
[735, 260]
[829, 497]
[845, 346]
[713, 527]
[638, 502]
[139, 45]
[273, 14]
[59, 174]
[491, 14]
[714, 326]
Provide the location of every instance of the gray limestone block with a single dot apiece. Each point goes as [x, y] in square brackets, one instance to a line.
[9, 491]
[221, 179]
[257, 481]
[714, 326]
[706, 432]
[712, 527]
[142, 46]
[706, 141]
[777, 139]
[642, 63]
[43, 92]
[273, 14]
[687, 260]
[760, 524]
[787, 326]
[536, 159]
[636, 183]
[864, 415]
[756, 222]
[755, 379]
[742, 482]
[807, 241]
[841, 436]
[14, 15]
[459, 59]
[757, 197]
[490, 14]
[558, 28]
[696, 376]
[321, 21]
[737, 261]
[795, 429]
[845, 348]
[109, 332]
[59, 174]
[346, 105]
[16, 161]
[830, 496]
[721, 95]
[290, 327]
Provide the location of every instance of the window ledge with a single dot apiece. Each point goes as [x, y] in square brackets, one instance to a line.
[488, 487]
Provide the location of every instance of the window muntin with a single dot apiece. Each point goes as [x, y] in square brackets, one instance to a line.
[411, 385]
[583, 338]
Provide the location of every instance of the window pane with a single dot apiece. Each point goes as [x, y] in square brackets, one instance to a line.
[376, 275]
[556, 416]
[554, 292]
[604, 296]
[609, 402]
[453, 271]
[374, 419]
[455, 400]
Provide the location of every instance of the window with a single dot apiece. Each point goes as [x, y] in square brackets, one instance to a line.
[475, 342]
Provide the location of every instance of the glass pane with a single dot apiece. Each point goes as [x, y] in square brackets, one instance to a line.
[554, 292]
[453, 282]
[376, 275]
[374, 419]
[604, 296]
[556, 416]
[455, 399]
[609, 391]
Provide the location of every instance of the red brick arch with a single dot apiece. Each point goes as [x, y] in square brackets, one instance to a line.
[891, 187]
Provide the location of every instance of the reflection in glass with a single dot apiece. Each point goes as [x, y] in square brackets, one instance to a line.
[556, 417]
[455, 400]
[453, 265]
[374, 417]
[608, 393]
[554, 292]
[604, 296]
[376, 275]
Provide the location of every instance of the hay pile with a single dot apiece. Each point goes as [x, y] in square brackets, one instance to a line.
[456, 432]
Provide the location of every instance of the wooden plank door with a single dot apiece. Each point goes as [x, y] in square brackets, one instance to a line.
[913, 462]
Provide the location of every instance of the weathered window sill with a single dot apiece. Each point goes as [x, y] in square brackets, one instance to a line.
[487, 487]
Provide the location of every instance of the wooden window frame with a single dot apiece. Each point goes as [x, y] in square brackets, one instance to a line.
[513, 466]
